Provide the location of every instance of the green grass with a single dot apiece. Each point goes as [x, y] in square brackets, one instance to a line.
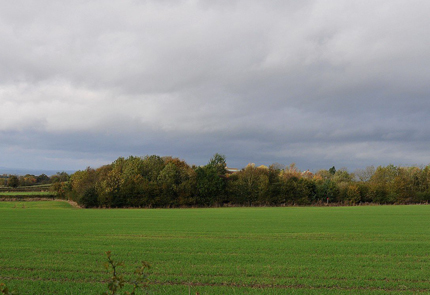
[30, 188]
[313, 250]
[26, 194]
[35, 205]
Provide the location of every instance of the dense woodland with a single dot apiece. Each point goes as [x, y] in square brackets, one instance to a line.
[167, 182]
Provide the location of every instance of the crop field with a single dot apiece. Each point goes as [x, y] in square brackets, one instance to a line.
[51, 248]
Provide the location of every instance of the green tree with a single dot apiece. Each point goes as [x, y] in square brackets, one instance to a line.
[42, 179]
[113, 185]
[27, 180]
[323, 174]
[275, 184]
[342, 176]
[81, 181]
[185, 182]
[89, 198]
[211, 181]
[13, 181]
[152, 166]
[255, 182]
[353, 195]
[60, 177]
[327, 189]
[210, 186]
[385, 175]
[168, 180]
[219, 163]
[59, 188]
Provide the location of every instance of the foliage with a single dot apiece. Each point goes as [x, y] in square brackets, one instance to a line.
[210, 185]
[219, 163]
[166, 182]
[30, 181]
[89, 198]
[13, 181]
[5, 290]
[27, 194]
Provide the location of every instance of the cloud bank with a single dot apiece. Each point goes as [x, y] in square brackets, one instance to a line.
[318, 83]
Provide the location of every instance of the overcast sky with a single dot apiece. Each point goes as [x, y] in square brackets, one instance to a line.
[314, 82]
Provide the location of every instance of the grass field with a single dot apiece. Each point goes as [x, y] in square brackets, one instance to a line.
[26, 194]
[32, 188]
[52, 248]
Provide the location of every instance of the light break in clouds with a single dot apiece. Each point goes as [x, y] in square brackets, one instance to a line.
[318, 83]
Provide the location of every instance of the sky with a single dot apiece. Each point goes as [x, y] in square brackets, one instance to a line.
[319, 83]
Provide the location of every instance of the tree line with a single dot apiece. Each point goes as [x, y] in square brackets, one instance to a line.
[15, 181]
[167, 182]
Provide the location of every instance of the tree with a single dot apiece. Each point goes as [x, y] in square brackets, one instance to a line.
[275, 184]
[323, 174]
[60, 177]
[290, 190]
[168, 181]
[292, 171]
[112, 185]
[211, 181]
[385, 175]
[152, 166]
[90, 198]
[327, 189]
[27, 179]
[219, 163]
[342, 176]
[80, 182]
[13, 181]
[366, 174]
[59, 188]
[253, 184]
[353, 195]
[185, 184]
[210, 186]
[42, 179]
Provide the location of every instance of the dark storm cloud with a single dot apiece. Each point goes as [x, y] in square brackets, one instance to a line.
[319, 83]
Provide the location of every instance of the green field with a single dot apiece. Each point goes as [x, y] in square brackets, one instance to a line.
[52, 248]
[30, 188]
[37, 194]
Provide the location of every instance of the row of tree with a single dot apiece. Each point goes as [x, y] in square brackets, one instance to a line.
[154, 181]
[30, 179]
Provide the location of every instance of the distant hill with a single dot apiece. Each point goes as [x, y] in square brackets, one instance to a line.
[18, 171]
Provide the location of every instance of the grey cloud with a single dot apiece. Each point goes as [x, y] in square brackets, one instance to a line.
[319, 83]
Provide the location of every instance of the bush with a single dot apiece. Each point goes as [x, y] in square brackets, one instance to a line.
[117, 282]
[13, 181]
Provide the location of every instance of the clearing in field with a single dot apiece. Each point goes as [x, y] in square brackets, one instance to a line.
[53, 248]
